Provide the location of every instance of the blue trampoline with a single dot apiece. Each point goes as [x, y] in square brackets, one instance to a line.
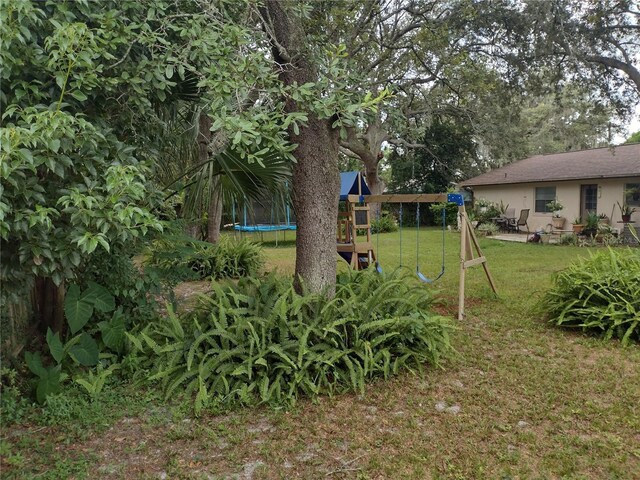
[263, 228]
[275, 224]
[351, 183]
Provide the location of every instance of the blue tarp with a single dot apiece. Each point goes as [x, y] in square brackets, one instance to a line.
[349, 185]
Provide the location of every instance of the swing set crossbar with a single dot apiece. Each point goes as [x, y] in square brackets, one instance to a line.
[408, 198]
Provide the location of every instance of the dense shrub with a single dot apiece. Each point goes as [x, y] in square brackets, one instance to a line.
[568, 239]
[488, 228]
[135, 290]
[182, 258]
[259, 341]
[451, 213]
[599, 294]
[384, 224]
[484, 211]
[13, 404]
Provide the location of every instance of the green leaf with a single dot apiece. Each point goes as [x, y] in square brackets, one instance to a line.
[48, 384]
[85, 352]
[136, 343]
[100, 297]
[34, 362]
[78, 310]
[54, 145]
[113, 332]
[55, 345]
[78, 95]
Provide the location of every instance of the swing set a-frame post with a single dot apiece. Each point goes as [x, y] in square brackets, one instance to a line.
[467, 258]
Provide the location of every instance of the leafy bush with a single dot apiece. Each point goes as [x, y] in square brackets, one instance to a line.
[80, 348]
[182, 258]
[451, 215]
[260, 341]
[384, 224]
[135, 290]
[568, 239]
[13, 405]
[488, 228]
[599, 294]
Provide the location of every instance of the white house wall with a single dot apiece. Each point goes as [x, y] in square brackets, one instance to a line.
[521, 196]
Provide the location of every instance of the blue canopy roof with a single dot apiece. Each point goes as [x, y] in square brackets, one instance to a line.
[349, 185]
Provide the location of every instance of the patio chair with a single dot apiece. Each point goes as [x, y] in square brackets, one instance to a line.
[509, 216]
[514, 225]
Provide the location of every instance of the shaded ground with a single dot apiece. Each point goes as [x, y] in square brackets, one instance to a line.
[519, 400]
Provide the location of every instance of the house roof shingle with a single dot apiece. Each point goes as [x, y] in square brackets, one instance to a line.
[620, 161]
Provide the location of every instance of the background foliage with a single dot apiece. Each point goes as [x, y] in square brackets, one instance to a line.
[183, 258]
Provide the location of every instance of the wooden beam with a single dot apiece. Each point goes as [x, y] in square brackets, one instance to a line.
[401, 198]
[475, 261]
[468, 241]
[484, 264]
[463, 259]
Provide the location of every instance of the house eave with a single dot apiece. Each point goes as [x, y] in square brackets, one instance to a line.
[546, 180]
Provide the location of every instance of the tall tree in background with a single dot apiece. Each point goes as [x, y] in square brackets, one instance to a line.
[417, 51]
[568, 121]
[590, 42]
[634, 138]
[448, 154]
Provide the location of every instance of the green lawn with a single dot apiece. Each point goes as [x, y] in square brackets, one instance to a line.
[519, 400]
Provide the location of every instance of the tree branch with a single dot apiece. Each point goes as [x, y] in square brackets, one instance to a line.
[630, 70]
[282, 55]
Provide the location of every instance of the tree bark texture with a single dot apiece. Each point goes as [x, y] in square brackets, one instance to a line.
[316, 179]
[48, 304]
[214, 213]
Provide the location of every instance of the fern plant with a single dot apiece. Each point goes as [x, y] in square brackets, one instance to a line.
[260, 341]
[599, 294]
[183, 258]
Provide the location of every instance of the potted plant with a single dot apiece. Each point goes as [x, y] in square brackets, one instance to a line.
[626, 210]
[591, 224]
[603, 219]
[554, 207]
[577, 225]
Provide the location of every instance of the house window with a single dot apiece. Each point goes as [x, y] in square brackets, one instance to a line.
[632, 194]
[589, 198]
[544, 195]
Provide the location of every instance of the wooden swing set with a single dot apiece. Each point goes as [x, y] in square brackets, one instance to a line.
[361, 254]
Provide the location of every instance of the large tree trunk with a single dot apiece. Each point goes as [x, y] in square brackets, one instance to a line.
[214, 216]
[214, 210]
[376, 185]
[48, 304]
[316, 181]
